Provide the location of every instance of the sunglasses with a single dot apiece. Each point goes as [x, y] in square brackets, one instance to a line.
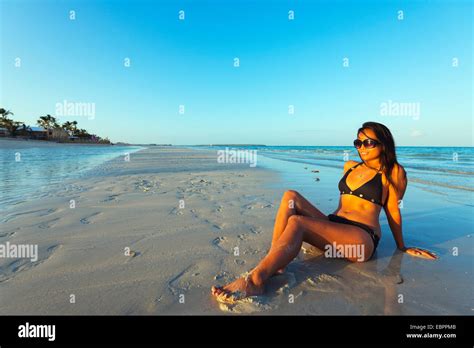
[368, 143]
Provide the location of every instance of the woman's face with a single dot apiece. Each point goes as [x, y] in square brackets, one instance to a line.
[369, 154]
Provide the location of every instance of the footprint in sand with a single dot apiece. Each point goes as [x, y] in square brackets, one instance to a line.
[256, 229]
[183, 281]
[229, 186]
[201, 182]
[325, 283]
[9, 233]
[24, 264]
[243, 236]
[48, 224]
[215, 225]
[239, 262]
[48, 211]
[89, 219]
[110, 198]
[37, 213]
[218, 241]
[176, 211]
[223, 275]
[257, 205]
[250, 206]
[251, 251]
[147, 185]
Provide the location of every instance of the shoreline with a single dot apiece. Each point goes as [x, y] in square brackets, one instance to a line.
[43, 164]
[180, 250]
[4, 141]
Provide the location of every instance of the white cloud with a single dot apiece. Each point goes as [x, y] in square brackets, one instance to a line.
[416, 133]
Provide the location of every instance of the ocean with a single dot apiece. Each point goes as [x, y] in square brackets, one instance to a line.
[439, 169]
[29, 171]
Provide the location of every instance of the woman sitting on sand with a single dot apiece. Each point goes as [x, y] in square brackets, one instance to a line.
[366, 187]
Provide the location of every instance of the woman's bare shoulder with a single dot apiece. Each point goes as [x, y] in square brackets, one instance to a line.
[399, 173]
[399, 179]
[349, 164]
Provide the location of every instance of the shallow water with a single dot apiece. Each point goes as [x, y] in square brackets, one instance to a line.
[28, 172]
[446, 170]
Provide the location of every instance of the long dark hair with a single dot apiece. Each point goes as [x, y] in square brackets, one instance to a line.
[388, 157]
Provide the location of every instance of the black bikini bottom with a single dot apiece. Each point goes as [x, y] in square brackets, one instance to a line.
[369, 230]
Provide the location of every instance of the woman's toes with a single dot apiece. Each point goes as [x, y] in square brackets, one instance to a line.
[216, 290]
[225, 294]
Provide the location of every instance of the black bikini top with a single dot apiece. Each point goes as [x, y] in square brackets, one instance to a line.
[371, 190]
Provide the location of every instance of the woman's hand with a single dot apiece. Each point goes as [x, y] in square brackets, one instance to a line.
[419, 252]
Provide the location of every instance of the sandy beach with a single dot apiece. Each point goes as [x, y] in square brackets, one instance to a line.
[151, 235]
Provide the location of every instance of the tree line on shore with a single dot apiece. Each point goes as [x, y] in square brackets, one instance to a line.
[65, 132]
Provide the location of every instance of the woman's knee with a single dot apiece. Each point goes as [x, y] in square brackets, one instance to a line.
[295, 224]
[291, 194]
[293, 234]
[294, 220]
[289, 198]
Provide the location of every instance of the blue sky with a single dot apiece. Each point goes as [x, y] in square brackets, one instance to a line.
[282, 62]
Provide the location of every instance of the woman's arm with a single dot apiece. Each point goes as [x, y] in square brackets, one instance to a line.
[392, 208]
[396, 191]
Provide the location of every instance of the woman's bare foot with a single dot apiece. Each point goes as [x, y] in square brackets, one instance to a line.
[237, 290]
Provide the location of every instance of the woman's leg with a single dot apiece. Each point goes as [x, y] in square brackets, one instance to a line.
[318, 232]
[293, 203]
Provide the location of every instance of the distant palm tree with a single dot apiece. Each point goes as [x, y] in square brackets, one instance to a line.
[70, 127]
[4, 113]
[47, 122]
[11, 126]
[82, 133]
